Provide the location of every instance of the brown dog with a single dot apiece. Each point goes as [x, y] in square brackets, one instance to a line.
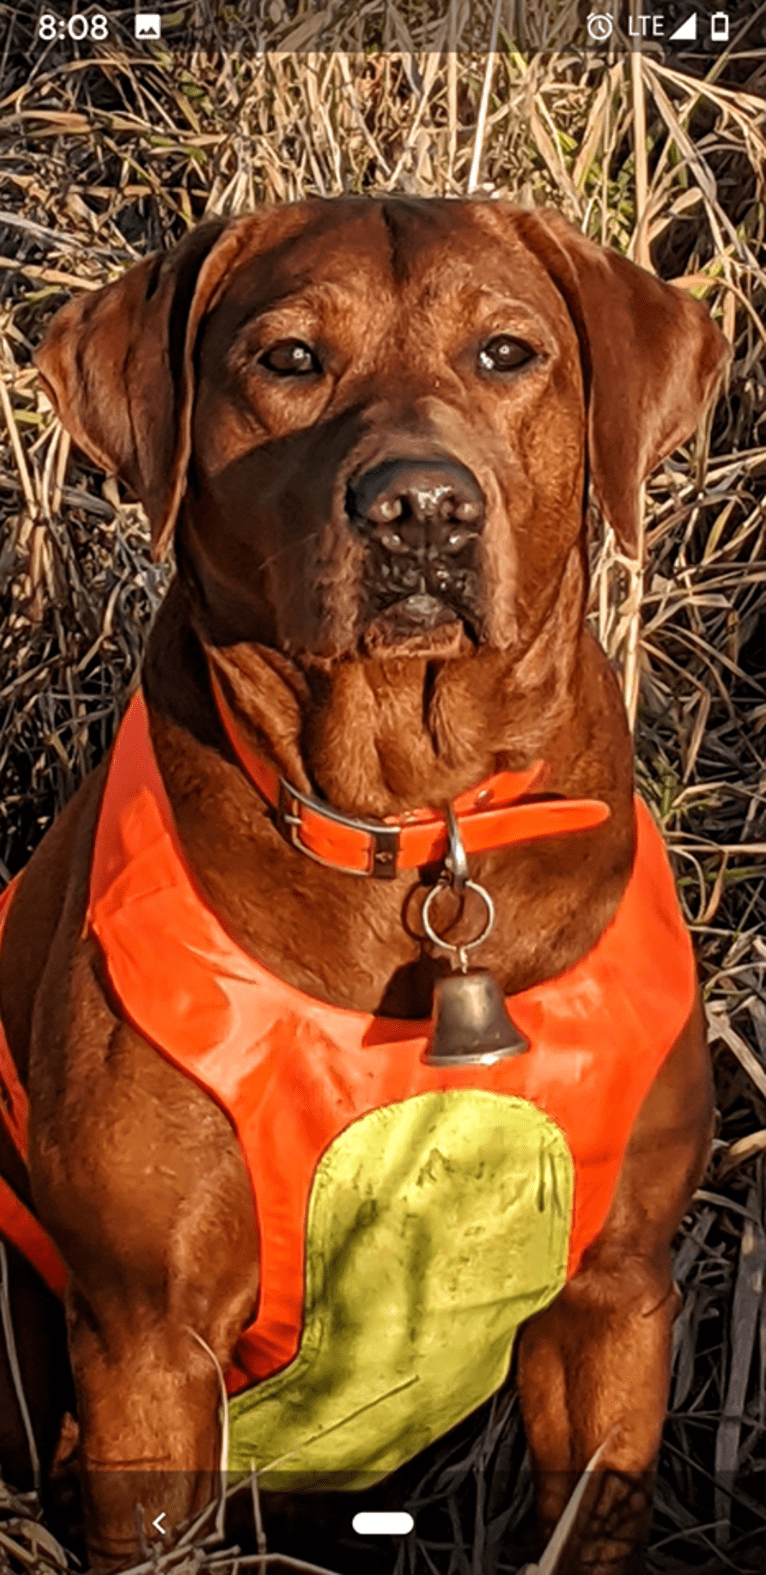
[370, 425]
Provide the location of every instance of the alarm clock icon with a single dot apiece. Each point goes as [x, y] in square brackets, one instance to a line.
[599, 26]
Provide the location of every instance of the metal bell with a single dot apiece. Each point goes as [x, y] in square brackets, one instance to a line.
[470, 1024]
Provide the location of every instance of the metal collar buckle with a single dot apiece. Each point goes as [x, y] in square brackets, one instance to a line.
[384, 839]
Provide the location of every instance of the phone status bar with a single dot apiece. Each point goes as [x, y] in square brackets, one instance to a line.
[443, 26]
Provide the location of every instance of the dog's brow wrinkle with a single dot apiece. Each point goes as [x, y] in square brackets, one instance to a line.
[488, 291]
[467, 291]
[398, 253]
[314, 298]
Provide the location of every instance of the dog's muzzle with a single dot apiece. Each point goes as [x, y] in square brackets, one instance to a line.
[421, 521]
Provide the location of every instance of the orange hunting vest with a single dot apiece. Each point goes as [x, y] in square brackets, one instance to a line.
[409, 1216]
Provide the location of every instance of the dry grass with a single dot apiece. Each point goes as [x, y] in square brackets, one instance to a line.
[110, 156]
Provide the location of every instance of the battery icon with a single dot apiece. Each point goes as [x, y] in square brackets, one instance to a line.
[719, 27]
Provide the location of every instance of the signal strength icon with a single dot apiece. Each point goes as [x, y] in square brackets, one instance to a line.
[687, 30]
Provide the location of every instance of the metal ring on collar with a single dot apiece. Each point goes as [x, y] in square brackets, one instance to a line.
[466, 946]
[456, 862]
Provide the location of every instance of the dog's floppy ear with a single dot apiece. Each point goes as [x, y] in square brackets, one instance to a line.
[117, 365]
[651, 360]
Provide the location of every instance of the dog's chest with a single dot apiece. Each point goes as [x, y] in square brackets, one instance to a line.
[410, 1216]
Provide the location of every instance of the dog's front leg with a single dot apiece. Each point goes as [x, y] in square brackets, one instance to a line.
[593, 1367]
[139, 1178]
[148, 1400]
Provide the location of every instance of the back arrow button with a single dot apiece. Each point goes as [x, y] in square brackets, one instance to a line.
[157, 1526]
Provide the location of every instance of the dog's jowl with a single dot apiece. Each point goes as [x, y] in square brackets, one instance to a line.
[351, 1035]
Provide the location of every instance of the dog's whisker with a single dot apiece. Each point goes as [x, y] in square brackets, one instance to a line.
[287, 547]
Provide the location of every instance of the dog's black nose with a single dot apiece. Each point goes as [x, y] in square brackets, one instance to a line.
[415, 505]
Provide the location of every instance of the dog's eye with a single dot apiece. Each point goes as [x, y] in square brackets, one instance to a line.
[290, 359]
[504, 354]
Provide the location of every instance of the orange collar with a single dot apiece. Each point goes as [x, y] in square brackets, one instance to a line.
[494, 814]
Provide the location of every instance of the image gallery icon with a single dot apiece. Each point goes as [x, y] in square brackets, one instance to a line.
[148, 24]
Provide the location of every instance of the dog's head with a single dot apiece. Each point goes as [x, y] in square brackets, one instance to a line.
[371, 422]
